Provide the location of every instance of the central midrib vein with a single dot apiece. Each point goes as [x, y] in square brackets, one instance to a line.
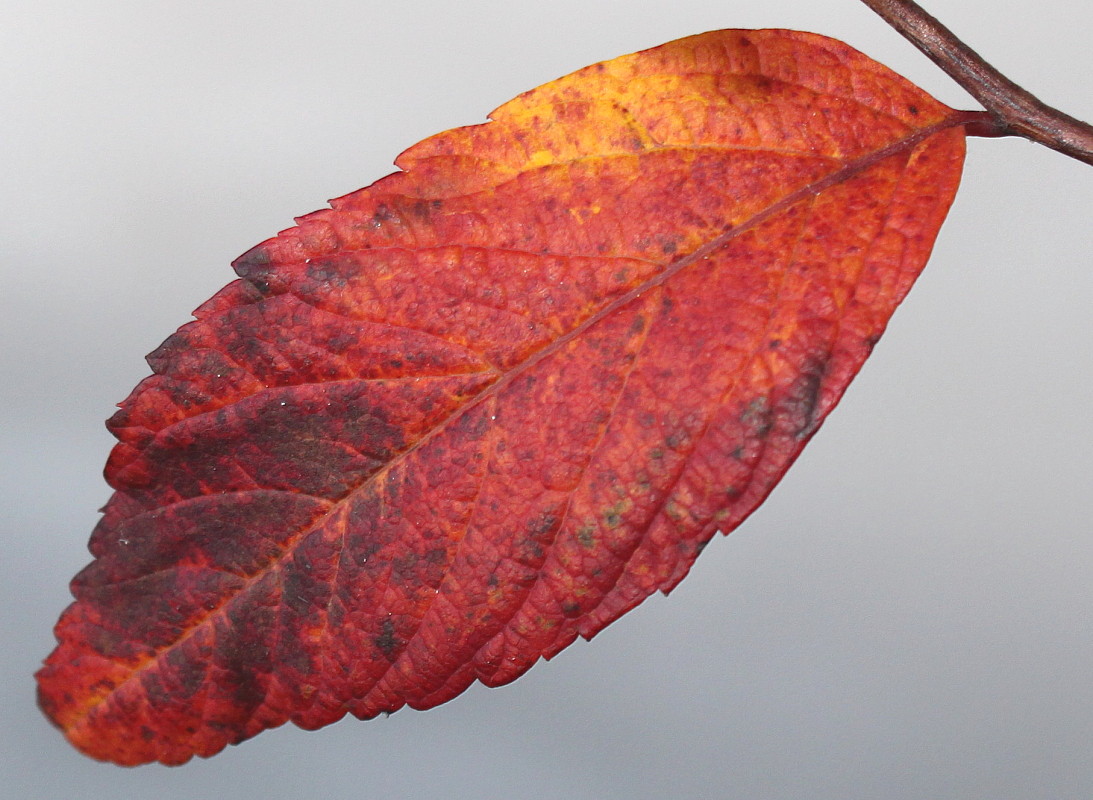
[847, 171]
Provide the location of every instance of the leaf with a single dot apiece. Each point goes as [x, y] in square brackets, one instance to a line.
[492, 402]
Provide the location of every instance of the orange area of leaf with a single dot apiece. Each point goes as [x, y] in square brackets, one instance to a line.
[492, 402]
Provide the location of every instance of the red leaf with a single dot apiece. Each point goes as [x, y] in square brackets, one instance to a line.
[492, 402]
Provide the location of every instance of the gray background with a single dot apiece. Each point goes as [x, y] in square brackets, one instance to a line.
[907, 617]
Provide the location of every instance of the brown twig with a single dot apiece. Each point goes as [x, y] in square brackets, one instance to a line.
[1014, 111]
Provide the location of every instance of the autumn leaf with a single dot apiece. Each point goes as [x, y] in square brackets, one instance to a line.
[495, 400]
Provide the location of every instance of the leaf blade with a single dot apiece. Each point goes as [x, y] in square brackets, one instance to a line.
[373, 392]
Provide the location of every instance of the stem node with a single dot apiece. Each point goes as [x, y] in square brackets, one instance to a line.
[1011, 111]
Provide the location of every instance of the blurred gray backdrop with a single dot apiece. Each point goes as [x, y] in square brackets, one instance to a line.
[907, 617]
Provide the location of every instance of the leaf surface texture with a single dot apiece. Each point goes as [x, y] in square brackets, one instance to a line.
[493, 401]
